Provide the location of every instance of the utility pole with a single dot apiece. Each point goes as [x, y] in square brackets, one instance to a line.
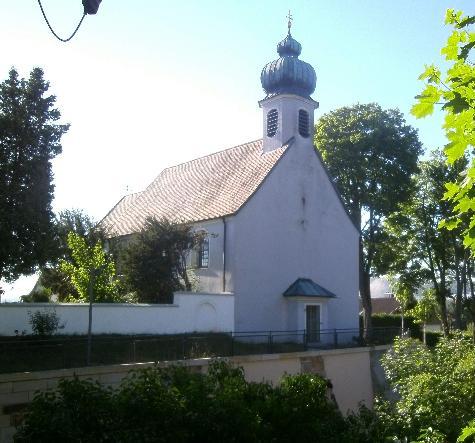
[93, 273]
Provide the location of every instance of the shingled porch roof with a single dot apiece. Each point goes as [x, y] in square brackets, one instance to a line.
[202, 189]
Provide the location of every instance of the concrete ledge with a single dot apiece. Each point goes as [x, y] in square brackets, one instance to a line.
[126, 367]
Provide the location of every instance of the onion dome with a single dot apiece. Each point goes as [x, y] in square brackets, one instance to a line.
[288, 74]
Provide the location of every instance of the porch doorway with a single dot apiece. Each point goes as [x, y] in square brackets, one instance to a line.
[312, 324]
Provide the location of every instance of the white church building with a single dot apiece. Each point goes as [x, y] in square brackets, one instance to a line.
[278, 236]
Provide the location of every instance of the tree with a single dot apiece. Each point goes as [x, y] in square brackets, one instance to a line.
[456, 93]
[29, 140]
[155, 261]
[426, 309]
[52, 275]
[90, 266]
[403, 292]
[417, 249]
[371, 153]
[436, 388]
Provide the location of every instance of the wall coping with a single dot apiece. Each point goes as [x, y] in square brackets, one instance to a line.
[86, 305]
[117, 305]
[192, 293]
[126, 367]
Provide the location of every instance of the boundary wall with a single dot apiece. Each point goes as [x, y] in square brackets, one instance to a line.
[190, 312]
[349, 371]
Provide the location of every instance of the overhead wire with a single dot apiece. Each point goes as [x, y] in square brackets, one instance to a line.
[52, 30]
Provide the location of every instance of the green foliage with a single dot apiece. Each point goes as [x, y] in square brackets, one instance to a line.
[52, 275]
[430, 435]
[369, 426]
[79, 411]
[371, 154]
[426, 307]
[41, 296]
[29, 140]
[456, 92]
[44, 323]
[416, 248]
[155, 261]
[436, 387]
[90, 263]
[468, 433]
[175, 404]
[402, 290]
[394, 320]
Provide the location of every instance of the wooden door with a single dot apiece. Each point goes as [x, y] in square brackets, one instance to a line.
[313, 323]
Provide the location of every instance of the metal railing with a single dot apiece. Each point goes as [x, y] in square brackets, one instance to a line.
[18, 354]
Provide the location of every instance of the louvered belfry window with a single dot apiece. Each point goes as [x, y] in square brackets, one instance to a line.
[272, 122]
[304, 123]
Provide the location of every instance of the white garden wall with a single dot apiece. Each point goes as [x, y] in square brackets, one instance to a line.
[190, 312]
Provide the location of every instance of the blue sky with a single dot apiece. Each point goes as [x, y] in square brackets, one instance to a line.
[148, 84]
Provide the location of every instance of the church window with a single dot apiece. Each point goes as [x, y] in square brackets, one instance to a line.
[304, 123]
[203, 253]
[272, 122]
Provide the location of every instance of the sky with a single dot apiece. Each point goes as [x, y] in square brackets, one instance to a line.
[148, 84]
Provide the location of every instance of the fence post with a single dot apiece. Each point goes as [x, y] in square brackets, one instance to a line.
[270, 342]
[134, 351]
[305, 345]
[232, 344]
[183, 338]
[335, 338]
[63, 355]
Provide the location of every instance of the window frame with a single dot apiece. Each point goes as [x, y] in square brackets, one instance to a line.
[304, 126]
[203, 253]
[272, 122]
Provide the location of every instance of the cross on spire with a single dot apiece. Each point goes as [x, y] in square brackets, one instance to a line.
[289, 22]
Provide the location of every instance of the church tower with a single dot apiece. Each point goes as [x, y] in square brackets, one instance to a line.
[288, 109]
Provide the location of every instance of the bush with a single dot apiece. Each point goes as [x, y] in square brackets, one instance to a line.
[44, 323]
[436, 386]
[174, 404]
[432, 338]
[394, 320]
[41, 296]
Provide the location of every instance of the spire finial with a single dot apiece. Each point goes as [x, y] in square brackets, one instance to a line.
[289, 22]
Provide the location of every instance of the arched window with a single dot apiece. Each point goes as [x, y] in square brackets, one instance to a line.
[272, 122]
[304, 123]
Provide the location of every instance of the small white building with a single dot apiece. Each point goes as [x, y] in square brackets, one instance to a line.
[279, 237]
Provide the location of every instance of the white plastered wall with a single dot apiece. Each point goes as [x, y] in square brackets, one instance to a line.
[191, 312]
[294, 226]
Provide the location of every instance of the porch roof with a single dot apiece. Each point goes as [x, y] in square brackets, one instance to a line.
[306, 287]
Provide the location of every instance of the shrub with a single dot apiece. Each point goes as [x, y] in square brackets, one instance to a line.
[44, 323]
[41, 296]
[394, 320]
[79, 411]
[436, 386]
[174, 404]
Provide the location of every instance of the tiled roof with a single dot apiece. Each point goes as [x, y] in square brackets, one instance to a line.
[384, 305]
[208, 187]
[306, 287]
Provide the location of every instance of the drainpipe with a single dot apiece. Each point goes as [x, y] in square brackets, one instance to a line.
[224, 254]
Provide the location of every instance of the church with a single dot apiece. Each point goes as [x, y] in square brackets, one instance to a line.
[278, 236]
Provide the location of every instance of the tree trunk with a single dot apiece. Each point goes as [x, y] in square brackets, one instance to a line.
[365, 294]
[459, 276]
[441, 298]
